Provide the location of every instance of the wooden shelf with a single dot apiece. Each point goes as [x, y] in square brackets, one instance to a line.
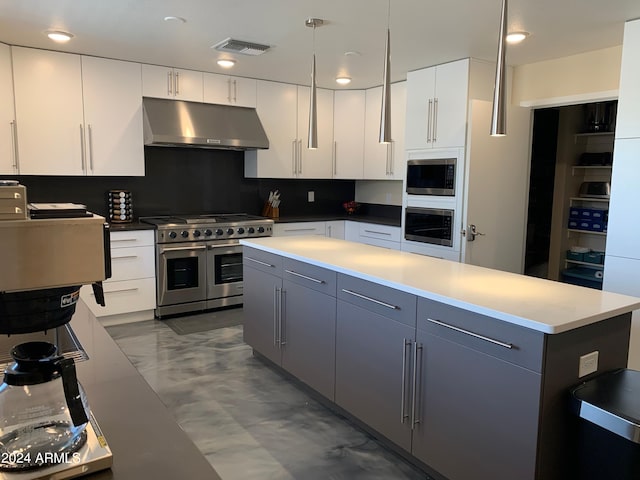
[587, 199]
[588, 232]
[594, 134]
[597, 266]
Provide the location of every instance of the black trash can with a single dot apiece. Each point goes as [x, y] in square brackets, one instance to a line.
[609, 439]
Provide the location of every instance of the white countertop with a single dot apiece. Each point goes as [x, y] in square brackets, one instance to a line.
[543, 305]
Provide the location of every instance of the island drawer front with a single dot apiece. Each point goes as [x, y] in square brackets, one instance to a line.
[316, 278]
[389, 302]
[512, 343]
[131, 238]
[132, 263]
[265, 261]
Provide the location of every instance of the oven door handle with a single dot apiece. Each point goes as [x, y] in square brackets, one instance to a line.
[212, 247]
[183, 249]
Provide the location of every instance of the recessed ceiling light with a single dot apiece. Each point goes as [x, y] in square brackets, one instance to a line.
[226, 62]
[175, 19]
[343, 80]
[516, 37]
[59, 36]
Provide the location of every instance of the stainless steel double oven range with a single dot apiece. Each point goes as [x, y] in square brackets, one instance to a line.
[199, 260]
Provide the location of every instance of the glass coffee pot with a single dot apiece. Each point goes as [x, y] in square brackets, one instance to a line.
[43, 408]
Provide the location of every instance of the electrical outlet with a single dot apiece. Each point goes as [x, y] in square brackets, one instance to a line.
[588, 364]
[311, 196]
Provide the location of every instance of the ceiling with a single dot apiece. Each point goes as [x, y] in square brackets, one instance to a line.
[423, 32]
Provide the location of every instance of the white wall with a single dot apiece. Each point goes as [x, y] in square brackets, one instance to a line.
[384, 192]
[588, 76]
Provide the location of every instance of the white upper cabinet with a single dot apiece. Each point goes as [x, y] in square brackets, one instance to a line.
[315, 163]
[227, 90]
[628, 120]
[113, 117]
[277, 105]
[384, 161]
[437, 100]
[49, 112]
[348, 134]
[172, 83]
[8, 159]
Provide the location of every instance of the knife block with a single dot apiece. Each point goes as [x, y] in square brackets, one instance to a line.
[269, 211]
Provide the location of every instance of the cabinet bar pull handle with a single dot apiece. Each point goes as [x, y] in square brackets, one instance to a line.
[293, 157]
[89, 130]
[282, 318]
[364, 297]
[259, 262]
[300, 156]
[121, 290]
[14, 146]
[182, 249]
[403, 413]
[82, 147]
[124, 256]
[229, 90]
[414, 398]
[124, 240]
[429, 120]
[276, 297]
[235, 92]
[169, 82]
[392, 155]
[299, 229]
[435, 120]
[177, 89]
[378, 233]
[471, 334]
[304, 276]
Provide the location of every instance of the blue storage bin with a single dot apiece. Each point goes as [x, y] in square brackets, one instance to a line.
[597, 214]
[575, 256]
[597, 226]
[584, 224]
[575, 212]
[583, 276]
[573, 223]
[593, 257]
[586, 213]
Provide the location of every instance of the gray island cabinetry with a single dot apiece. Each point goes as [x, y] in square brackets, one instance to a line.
[464, 370]
[290, 316]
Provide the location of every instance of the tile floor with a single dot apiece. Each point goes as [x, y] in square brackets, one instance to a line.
[248, 420]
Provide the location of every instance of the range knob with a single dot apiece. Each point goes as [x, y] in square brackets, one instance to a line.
[196, 233]
[240, 231]
[251, 230]
[219, 231]
[229, 231]
[184, 234]
[173, 234]
[260, 229]
[208, 232]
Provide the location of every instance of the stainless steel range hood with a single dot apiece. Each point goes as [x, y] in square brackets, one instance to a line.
[202, 125]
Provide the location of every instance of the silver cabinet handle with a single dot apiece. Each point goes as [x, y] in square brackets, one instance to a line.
[177, 89]
[329, 231]
[182, 249]
[276, 298]
[169, 83]
[392, 155]
[124, 257]
[235, 92]
[388, 163]
[378, 233]
[89, 131]
[294, 166]
[414, 397]
[124, 240]
[435, 121]
[403, 413]
[364, 297]
[300, 156]
[259, 262]
[14, 146]
[82, 149]
[229, 90]
[471, 334]
[121, 290]
[282, 317]
[299, 229]
[429, 112]
[315, 280]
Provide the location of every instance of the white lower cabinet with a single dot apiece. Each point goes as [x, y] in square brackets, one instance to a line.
[299, 228]
[386, 236]
[335, 229]
[130, 293]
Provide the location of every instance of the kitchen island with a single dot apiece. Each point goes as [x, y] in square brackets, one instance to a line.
[144, 438]
[464, 370]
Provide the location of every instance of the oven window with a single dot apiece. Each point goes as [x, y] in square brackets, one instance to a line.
[228, 268]
[182, 273]
[429, 226]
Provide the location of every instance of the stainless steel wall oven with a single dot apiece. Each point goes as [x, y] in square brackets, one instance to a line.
[429, 225]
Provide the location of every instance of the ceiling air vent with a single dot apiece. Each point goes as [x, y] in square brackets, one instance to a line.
[239, 46]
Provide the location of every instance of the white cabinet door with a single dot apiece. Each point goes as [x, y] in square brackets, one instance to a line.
[113, 117]
[398, 124]
[227, 90]
[450, 104]
[421, 86]
[8, 163]
[376, 154]
[49, 112]
[277, 105]
[299, 228]
[315, 163]
[348, 134]
[628, 120]
[172, 83]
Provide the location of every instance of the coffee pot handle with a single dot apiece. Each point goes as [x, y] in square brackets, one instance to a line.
[67, 369]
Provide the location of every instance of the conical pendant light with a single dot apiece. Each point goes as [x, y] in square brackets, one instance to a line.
[498, 114]
[312, 137]
[385, 112]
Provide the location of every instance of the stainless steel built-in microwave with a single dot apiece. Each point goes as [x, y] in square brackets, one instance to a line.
[431, 176]
[429, 225]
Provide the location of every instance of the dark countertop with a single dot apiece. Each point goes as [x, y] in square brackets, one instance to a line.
[144, 438]
[394, 222]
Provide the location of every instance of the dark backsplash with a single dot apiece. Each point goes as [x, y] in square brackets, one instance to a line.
[192, 181]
